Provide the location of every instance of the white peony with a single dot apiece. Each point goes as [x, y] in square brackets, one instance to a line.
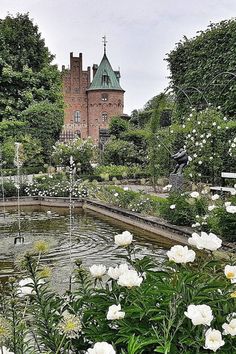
[199, 314]
[101, 348]
[215, 197]
[129, 279]
[124, 239]
[115, 272]
[211, 207]
[97, 271]
[230, 328]
[115, 313]
[181, 254]
[230, 273]
[213, 340]
[194, 194]
[209, 242]
[231, 209]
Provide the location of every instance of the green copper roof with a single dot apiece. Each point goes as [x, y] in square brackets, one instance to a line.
[105, 78]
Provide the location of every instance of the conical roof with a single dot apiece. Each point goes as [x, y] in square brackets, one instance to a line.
[105, 78]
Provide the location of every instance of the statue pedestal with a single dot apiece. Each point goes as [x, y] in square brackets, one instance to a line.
[177, 182]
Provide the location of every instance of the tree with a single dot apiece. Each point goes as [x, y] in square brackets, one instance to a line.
[191, 67]
[30, 86]
[45, 120]
[118, 126]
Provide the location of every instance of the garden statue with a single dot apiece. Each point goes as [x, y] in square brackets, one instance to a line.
[181, 157]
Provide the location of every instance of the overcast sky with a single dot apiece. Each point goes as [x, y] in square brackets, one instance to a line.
[139, 34]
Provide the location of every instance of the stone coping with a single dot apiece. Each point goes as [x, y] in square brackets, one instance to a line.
[151, 224]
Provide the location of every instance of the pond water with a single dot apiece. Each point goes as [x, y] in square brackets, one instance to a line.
[92, 240]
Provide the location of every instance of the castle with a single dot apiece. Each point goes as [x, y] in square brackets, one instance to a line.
[89, 106]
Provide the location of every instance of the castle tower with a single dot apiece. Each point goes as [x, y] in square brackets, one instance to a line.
[75, 84]
[90, 106]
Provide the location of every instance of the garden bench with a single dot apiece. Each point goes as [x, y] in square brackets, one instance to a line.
[225, 189]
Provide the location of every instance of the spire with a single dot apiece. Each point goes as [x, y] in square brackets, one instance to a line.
[104, 41]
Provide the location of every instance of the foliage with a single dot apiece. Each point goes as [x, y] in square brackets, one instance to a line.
[154, 320]
[31, 150]
[117, 126]
[191, 66]
[45, 120]
[82, 152]
[120, 152]
[10, 189]
[120, 171]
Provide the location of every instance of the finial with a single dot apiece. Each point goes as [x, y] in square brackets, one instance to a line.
[104, 43]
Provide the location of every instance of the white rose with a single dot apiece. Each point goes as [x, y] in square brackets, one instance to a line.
[172, 206]
[97, 271]
[230, 328]
[233, 192]
[181, 254]
[115, 313]
[194, 194]
[129, 279]
[167, 187]
[114, 273]
[101, 348]
[230, 273]
[199, 314]
[210, 242]
[211, 207]
[124, 239]
[213, 340]
[231, 209]
[215, 197]
[227, 204]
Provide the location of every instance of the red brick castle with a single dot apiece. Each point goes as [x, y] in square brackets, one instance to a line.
[89, 106]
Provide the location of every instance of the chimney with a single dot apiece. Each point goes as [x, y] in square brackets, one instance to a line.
[95, 67]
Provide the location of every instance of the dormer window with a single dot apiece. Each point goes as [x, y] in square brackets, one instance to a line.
[105, 79]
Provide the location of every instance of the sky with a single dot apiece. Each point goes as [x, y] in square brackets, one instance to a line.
[139, 33]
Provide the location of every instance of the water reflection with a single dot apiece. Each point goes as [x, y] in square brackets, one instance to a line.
[92, 240]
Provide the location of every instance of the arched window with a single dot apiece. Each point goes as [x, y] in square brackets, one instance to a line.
[104, 97]
[77, 117]
[104, 116]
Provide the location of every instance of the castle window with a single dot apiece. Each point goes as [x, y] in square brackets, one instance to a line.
[105, 79]
[77, 117]
[104, 97]
[104, 116]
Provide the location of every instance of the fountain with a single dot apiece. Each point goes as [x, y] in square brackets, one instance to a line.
[2, 185]
[71, 217]
[19, 240]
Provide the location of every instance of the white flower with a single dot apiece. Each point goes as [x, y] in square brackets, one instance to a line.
[200, 162]
[215, 197]
[126, 188]
[211, 207]
[231, 209]
[230, 273]
[199, 314]
[172, 206]
[114, 273]
[210, 242]
[129, 279]
[227, 204]
[101, 348]
[116, 194]
[167, 187]
[115, 313]
[6, 351]
[213, 340]
[181, 254]
[194, 194]
[26, 286]
[230, 328]
[97, 271]
[124, 239]
[233, 192]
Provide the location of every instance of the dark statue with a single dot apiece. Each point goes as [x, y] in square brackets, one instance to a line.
[181, 158]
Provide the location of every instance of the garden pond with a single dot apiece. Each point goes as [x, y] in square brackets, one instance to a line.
[92, 240]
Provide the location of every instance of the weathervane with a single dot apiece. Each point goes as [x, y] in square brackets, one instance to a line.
[104, 40]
